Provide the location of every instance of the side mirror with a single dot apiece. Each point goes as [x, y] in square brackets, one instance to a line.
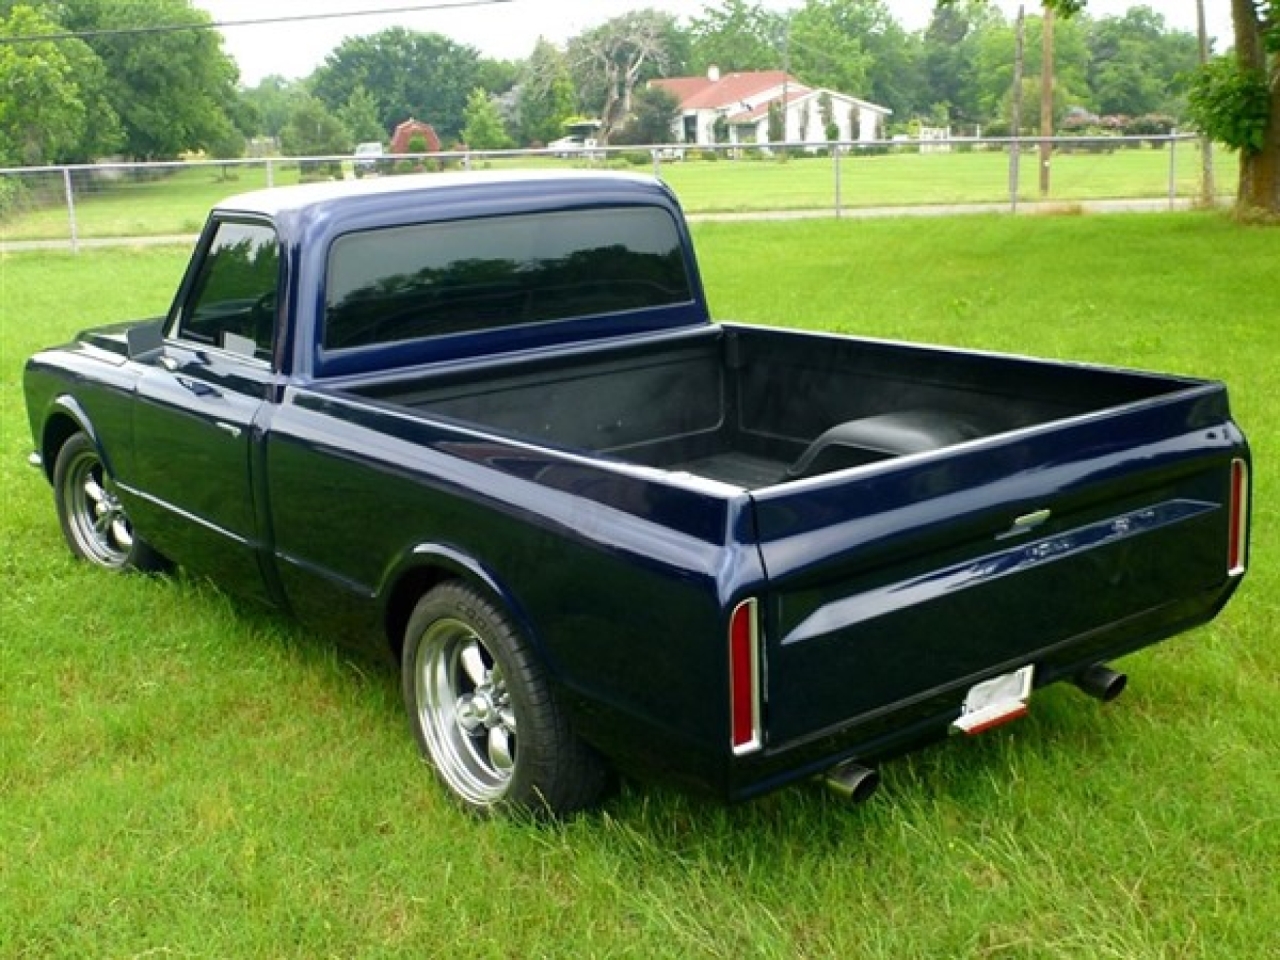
[144, 339]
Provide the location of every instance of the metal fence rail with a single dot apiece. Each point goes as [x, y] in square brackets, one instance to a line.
[75, 204]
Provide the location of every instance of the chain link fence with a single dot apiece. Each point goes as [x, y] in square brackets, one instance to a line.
[72, 206]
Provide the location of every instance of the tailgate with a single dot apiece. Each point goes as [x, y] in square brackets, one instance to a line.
[899, 584]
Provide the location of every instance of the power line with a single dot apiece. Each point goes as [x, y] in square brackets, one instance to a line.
[224, 24]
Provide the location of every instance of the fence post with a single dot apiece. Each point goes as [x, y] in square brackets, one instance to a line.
[71, 209]
[1173, 167]
[835, 157]
[657, 163]
[1015, 171]
[271, 174]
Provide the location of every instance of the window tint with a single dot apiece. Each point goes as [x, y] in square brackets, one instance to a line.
[437, 279]
[233, 301]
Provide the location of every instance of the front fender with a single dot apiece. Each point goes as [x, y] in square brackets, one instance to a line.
[62, 419]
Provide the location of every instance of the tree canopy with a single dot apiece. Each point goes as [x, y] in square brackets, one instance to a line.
[156, 95]
[608, 61]
[408, 74]
[1236, 100]
[150, 95]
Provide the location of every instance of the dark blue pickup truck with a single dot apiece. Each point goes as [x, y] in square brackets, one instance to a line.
[488, 421]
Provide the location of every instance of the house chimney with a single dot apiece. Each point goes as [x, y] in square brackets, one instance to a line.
[713, 73]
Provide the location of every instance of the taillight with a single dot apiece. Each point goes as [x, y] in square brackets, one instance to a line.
[744, 678]
[1238, 536]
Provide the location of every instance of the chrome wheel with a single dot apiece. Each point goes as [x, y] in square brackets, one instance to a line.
[465, 711]
[483, 714]
[95, 519]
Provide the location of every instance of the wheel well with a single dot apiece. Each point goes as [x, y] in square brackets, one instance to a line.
[57, 431]
[405, 596]
[414, 584]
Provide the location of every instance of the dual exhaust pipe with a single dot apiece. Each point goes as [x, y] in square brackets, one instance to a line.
[852, 781]
[857, 783]
[1101, 682]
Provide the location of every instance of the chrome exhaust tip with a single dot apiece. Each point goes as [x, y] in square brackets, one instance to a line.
[852, 781]
[1101, 682]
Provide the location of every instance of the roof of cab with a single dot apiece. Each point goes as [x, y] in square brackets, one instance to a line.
[344, 195]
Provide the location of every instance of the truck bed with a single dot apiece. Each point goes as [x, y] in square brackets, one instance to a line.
[923, 519]
[754, 407]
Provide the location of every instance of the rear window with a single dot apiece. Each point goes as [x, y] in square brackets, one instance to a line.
[440, 279]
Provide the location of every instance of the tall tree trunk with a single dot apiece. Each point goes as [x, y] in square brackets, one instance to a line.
[1259, 169]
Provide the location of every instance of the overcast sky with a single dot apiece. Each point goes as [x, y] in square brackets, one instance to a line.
[508, 30]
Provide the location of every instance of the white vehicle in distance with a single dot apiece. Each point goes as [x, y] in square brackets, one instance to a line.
[368, 158]
[575, 147]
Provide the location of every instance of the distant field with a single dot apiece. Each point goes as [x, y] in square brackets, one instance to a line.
[183, 776]
[177, 203]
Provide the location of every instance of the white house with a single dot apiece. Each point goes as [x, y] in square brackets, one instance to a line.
[739, 103]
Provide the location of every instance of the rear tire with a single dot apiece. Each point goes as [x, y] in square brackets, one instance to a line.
[482, 712]
[93, 519]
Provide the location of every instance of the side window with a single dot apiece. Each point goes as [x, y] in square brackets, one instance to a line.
[232, 304]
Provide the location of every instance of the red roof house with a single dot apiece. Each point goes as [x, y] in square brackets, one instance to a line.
[742, 101]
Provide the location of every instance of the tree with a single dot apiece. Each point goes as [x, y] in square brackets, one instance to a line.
[951, 43]
[653, 117]
[735, 36]
[995, 67]
[545, 95]
[408, 74]
[1237, 100]
[53, 110]
[314, 131]
[484, 130]
[173, 91]
[496, 76]
[1135, 63]
[360, 116]
[825, 45]
[608, 62]
[274, 100]
[896, 78]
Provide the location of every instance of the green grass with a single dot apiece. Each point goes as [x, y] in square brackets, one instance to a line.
[181, 776]
[177, 203]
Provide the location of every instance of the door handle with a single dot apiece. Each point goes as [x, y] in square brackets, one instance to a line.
[230, 428]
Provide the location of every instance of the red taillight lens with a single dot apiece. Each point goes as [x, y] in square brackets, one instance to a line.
[744, 678]
[1238, 536]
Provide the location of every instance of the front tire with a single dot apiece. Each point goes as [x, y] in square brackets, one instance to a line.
[483, 715]
[93, 519]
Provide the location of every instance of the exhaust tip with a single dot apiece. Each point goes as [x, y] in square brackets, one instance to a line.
[852, 781]
[1101, 682]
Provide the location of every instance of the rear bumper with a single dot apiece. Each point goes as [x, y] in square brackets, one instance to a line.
[901, 727]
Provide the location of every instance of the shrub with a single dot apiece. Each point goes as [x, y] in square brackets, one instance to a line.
[13, 196]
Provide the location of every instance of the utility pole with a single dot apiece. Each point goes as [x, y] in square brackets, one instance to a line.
[1046, 101]
[1208, 190]
[1015, 121]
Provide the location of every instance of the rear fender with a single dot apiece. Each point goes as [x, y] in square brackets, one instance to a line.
[426, 566]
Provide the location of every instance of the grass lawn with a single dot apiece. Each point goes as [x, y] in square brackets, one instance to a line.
[177, 203]
[181, 776]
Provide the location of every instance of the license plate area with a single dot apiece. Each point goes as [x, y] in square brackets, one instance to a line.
[995, 702]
